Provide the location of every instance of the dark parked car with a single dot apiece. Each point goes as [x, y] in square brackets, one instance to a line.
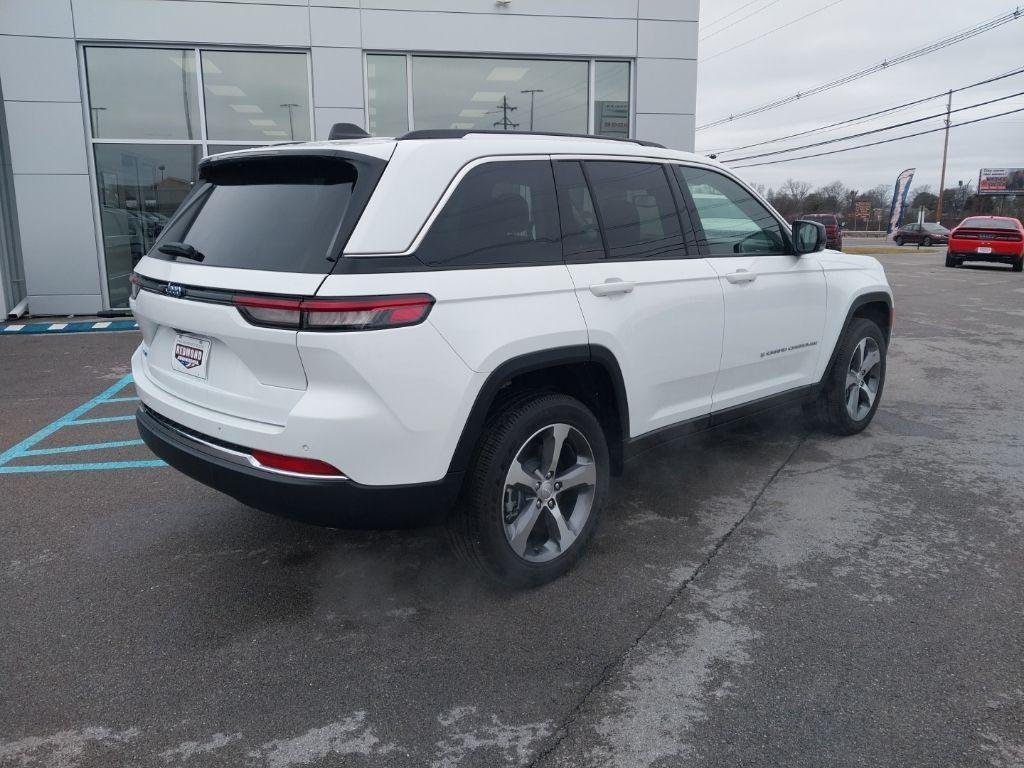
[926, 234]
[833, 228]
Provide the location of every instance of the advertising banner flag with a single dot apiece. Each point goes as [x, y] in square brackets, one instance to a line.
[899, 199]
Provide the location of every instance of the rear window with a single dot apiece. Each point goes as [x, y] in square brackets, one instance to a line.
[280, 214]
[823, 218]
[989, 224]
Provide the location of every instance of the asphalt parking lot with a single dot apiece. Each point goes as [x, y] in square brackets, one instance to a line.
[761, 596]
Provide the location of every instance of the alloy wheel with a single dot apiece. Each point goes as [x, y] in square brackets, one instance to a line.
[548, 493]
[863, 378]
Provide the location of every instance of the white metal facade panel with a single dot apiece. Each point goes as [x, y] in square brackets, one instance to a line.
[60, 253]
[191, 21]
[46, 137]
[430, 31]
[39, 69]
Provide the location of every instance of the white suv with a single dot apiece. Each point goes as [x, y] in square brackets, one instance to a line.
[364, 332]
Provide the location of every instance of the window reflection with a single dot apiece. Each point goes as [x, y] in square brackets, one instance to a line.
[611, 98]
[142, 93]
[500, 94]
[256, 96]
[140, 186]
[387, 95]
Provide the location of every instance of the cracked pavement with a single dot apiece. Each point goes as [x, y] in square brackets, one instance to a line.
[756, 596]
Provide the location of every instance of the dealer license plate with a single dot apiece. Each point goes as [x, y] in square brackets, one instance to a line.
[191, 356]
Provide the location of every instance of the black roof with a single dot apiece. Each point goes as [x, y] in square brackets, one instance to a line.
[459, 133]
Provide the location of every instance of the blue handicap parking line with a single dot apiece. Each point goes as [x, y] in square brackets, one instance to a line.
[88, 326]
[26, 448]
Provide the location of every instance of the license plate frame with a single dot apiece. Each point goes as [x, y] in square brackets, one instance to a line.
[984, 249]
[191, 355]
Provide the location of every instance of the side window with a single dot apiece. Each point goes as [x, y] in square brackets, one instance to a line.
[581, 233]
[502, 213]
[637, 211]
[733, 221]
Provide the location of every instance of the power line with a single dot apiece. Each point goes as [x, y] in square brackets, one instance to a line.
[873, 131]
[771, 31]
[883, 141]
[740, 21]
[869, 115]
[846, 79]
[731, 13]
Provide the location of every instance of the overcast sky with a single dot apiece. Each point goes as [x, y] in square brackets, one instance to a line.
[842, 39]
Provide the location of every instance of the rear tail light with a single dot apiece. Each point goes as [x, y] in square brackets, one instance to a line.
[350, 314]
[295, 464]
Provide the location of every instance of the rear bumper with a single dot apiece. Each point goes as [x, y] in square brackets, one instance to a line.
[969, 254]
[340, 503]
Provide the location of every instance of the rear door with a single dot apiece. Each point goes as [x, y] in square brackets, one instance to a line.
[268, 223]
[774, 300]
[645, 296]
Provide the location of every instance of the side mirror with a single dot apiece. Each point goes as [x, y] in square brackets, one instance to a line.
[808, 237]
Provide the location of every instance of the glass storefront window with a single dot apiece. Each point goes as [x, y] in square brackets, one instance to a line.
[502, 94]
[142, 93]
[140, 186]
[256, 96]
[387, 95]
[148, 133]
[611, 98]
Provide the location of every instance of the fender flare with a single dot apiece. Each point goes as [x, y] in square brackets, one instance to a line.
[872, 297]
[528, 363]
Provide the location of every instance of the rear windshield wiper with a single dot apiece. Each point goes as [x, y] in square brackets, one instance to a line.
[184, 250]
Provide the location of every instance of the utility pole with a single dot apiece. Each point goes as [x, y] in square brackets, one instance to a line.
[945, 150]
[506, 124]
[532, 91]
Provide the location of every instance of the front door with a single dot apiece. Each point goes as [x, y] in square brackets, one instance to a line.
[774, 300]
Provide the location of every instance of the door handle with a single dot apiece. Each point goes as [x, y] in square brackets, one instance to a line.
[612, 286]
[741, 276]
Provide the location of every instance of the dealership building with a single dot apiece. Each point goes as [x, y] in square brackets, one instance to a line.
[108, 105]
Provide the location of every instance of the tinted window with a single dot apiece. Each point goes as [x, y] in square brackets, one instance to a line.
[980, 223]
[637, 211]
[581, 234]
[280, 214]
[501, 213]
[734, 221]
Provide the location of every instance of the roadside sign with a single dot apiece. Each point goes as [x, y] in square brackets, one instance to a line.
[1001, 181]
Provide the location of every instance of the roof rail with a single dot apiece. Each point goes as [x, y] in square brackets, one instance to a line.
[461, 133]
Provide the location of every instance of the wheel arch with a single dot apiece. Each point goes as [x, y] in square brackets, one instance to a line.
[876, 306]
[589, 372]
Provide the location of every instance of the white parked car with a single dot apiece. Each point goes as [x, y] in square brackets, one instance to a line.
[363, 332]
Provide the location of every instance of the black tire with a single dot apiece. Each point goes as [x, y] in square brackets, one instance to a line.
[1018, 265]
[951, 260]
[927, 243]
[476, 528]
[899, 241]
[830, 410]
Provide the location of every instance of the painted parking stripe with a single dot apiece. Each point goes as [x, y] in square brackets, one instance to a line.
[86, 447]
[101, 420]
[26, 448]
[81, 467]
[71, 327]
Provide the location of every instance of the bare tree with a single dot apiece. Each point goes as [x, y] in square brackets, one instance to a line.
[795, 190]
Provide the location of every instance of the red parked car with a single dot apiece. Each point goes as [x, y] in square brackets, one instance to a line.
[987, 238]
[833, 228]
